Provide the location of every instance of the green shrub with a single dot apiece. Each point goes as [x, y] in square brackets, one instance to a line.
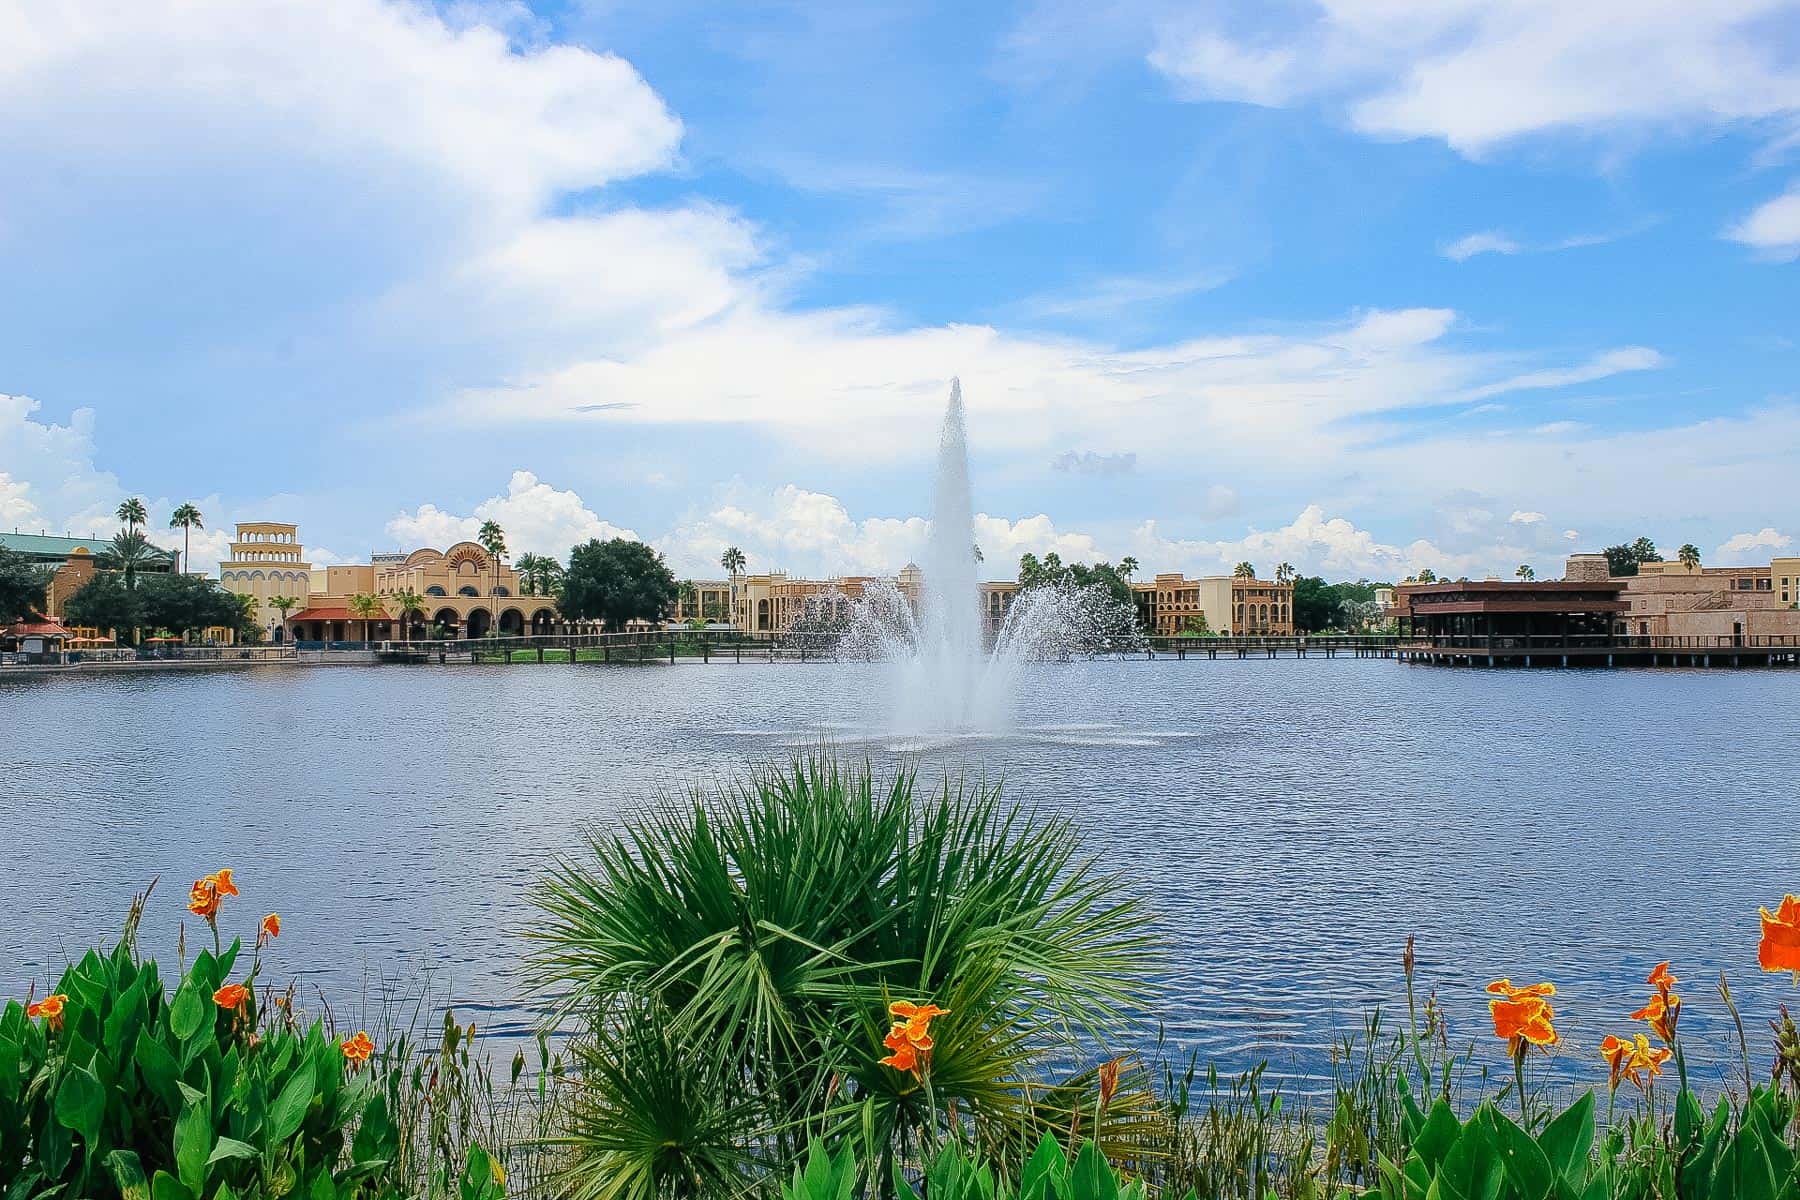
[957, 1174]
[117, 1088]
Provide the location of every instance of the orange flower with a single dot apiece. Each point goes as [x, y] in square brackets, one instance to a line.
[222, 881]
[203, 898]
[1660, 1014]
[1523, 1016]
[905, 1056]
[1660, 978]
[50, 1008]
[1109, 1080]
[1617, 1054]
[916, 1020]
[231, 996]
[1646, 1059]
[1780, 948]
[269, 930]
[358, 1049]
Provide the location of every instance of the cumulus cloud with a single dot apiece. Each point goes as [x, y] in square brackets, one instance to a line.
[1525, 517]
[535, 516]
[1477, 75]
[1487, 242]
[1743, 548]
[1773, 228]
[1091, 462]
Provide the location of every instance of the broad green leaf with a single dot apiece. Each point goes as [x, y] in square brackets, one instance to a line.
[81, 1104]
[230, 1148]
[188, 1014]
[128, 1174]
[159, 1069]
[1527, 1168]
[1569, 1139]
[164, 1186]
[1471, 1169]
[193, 1143]
[288, 1112]
[1437, 1133]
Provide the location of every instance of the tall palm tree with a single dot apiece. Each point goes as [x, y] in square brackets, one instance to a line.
[534, 571]
[1284, 572]
[129, 552]
[1689, 554]
[733, 561]
[365, 607]
[1128, 566]
[405, 599]
[493, 540]
[1244, 570]
[1525, 572]
[131, 511]
[685, 593]
[186, 518]
[281, 604]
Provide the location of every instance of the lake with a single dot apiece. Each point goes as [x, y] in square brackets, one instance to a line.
[1288, 821]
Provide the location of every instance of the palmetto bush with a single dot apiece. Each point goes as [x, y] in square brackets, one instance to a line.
[727, 963]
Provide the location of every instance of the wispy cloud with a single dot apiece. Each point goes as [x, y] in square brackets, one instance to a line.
[1773, 228]
[1115, 296]
[1089, 462]
[1601, 366]
[1488, 241]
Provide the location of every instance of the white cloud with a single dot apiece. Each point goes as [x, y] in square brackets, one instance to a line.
[1524, 517]
[1741, 549]
[1571, 535]
[1601, 366]
[1092, 462]
[1477, 73]
[535, 517]
[1773, 229]
[1557, 428]
[1488, 242]
[51, 484]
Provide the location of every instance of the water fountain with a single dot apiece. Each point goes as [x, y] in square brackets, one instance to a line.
[947, 677]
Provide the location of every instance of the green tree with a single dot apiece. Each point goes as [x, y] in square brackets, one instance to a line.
[540, 573]
[183, 605]
[366, 607]
[106, 603]
[1645, 550]
[1525, 572]
[1624, 559]
[1427, 575]
[248, 628]
[1195, 626]
[187, 519]
[22, 586]
[1244, 570]
[131, 511]
[1689, 554]
[493, 540]
[1128, 567]
[686, 593]
[1316, 604]
[130, 553]
[616, 582]
[282, 604]
[1284, 572]
[733, 561]
[407, 600]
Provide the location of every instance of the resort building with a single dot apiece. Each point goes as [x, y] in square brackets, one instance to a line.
[268, 562]
[1548, 616]
[708, 601]
[464, 591]
[1237, 605]
[1712, 604]
[72, 562]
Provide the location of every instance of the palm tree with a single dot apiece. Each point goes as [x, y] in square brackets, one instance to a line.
[1689, 554]
[1244, 570]
[1427, 575]
[365, 607]
[186, 518]
[131, 511]
[1525, 572]
[979, 556]
[281, 604]
[733, 561]
[685, 592]
[1128, 566]
[493, 540]
[129, 552]
[406, 600]
[1284, 572]
[539, 571]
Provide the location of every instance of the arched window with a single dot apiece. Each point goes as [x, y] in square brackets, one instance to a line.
[467, 591]
[435, 590]
[501, 591]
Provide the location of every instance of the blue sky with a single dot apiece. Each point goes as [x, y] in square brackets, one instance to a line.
[1366, 285]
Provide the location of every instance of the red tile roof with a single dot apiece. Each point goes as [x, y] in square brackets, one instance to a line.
[326, 614]
[35, 629]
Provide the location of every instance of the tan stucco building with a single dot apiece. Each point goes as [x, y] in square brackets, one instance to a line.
[1230, 604]
[267, 561]
[1672, 599]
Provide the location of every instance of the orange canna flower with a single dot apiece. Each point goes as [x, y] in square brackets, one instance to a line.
[1109, 1080]
[222, 881]
[1780, 948]
[359, 1048]
[1660, 1014]
[917, 1020]
[231, 996]
[50, 1008]
[269, 930]
[203, 898]
[1646, 1059]
[1523, 1016]
[905, 1056]
[1660, 978]
[1617, 1054]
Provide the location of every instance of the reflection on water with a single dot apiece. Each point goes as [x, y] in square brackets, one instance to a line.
[1290, 822]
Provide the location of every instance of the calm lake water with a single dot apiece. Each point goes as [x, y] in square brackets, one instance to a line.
[1290, 822]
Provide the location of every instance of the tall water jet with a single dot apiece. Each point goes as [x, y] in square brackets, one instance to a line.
[946, 678]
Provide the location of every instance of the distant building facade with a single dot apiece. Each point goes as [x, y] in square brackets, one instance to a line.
[267, 562]
[1716, 604]
[1240, 606]
[465, 593]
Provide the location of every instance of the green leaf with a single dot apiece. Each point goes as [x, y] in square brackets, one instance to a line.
[1569, 1139]
[322, 1187]
[1437, 1134]
[164, 1186]
[1471, 1169]
[188, 1014]
[1092, 1178]
[230, 1148]
[1046, 1163]
[128, 1173]
[81, 1104]
[1527, 1168]
[193, 1143]
[159, 1069]
[288, 1112]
